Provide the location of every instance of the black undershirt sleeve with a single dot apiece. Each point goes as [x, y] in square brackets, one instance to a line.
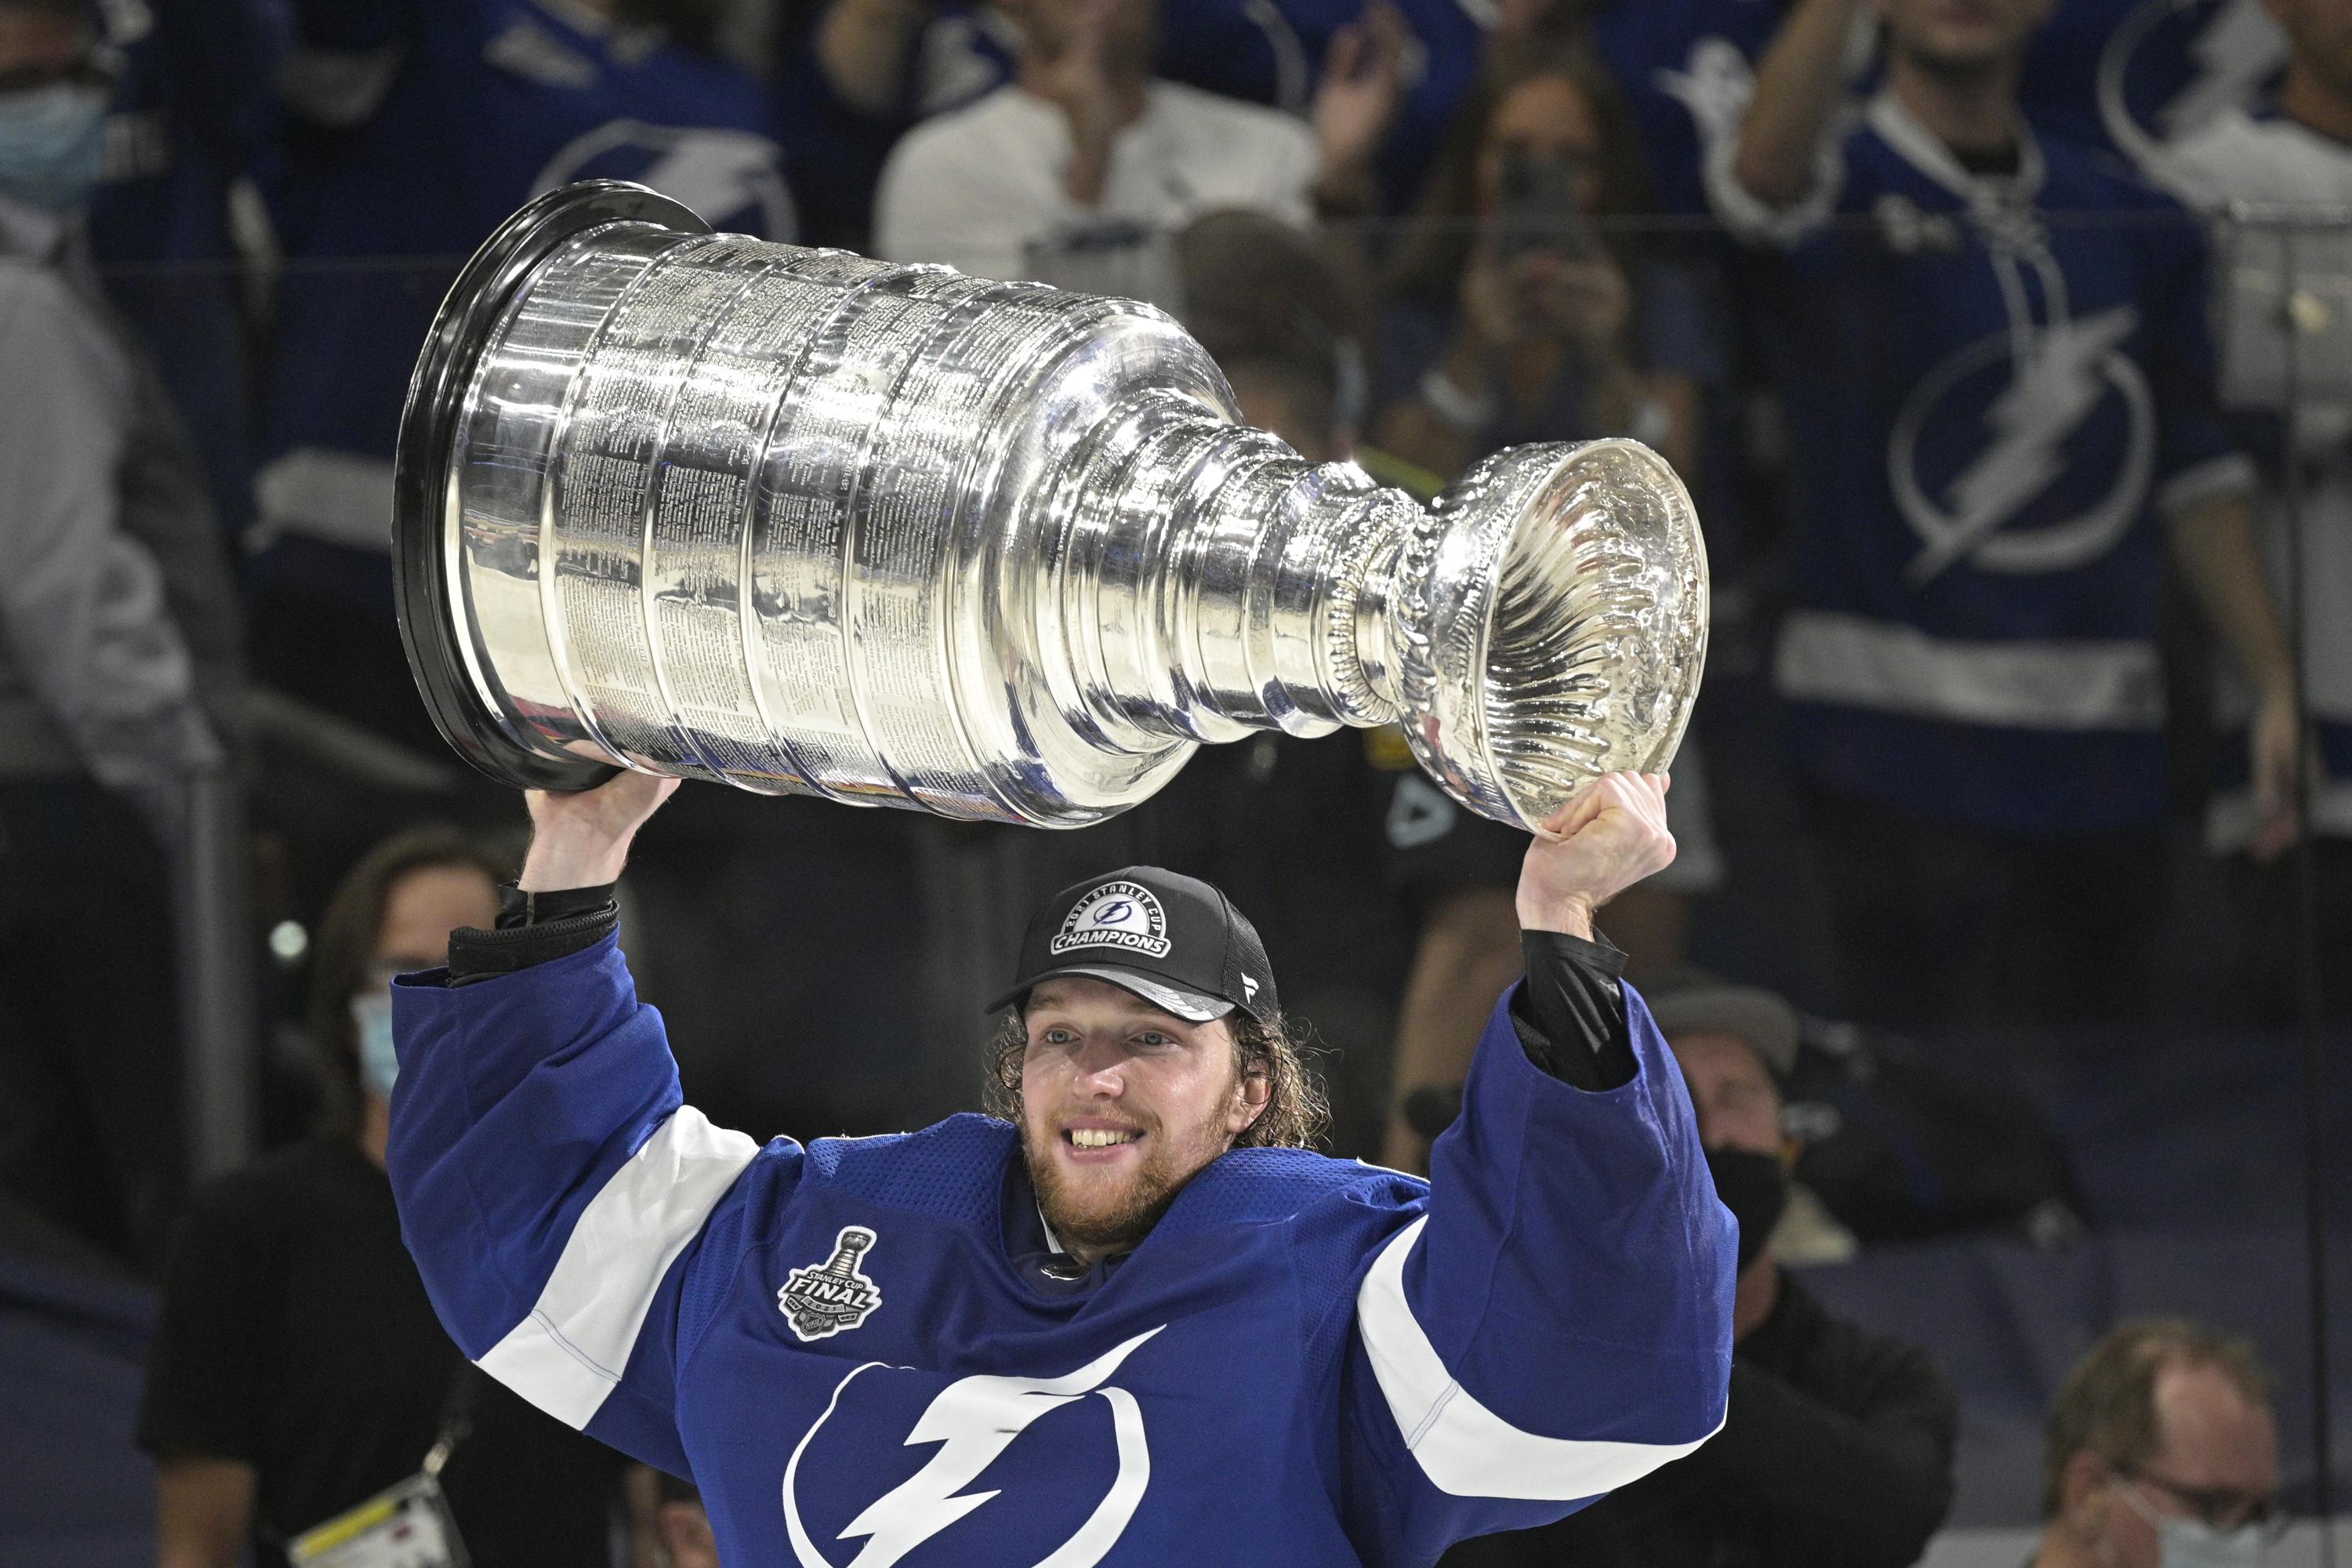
[1570, 1014]
[533, 927]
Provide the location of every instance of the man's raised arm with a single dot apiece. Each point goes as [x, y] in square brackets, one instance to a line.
[1559, 1324]
[552, 1186]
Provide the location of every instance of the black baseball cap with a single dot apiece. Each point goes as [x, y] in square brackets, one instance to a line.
[1174, 941]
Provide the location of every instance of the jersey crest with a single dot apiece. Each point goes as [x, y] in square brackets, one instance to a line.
[833, 1297]
[974, 1420]
[2058, 377]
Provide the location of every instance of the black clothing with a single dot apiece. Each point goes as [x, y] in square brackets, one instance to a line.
[1570, 1017]
[1837, 1453]
[296, 1336]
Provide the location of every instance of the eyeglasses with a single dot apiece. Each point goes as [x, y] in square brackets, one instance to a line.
[2223, 1508]
[83, 70]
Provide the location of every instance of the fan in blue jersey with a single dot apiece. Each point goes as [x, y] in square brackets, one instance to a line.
[1994, 350]
[412, 129]
[2140, 75]
[2291, 161]
[1134, 1322]
[187, 117]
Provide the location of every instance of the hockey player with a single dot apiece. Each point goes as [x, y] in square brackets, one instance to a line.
[1138, 1325]
[2005, 420]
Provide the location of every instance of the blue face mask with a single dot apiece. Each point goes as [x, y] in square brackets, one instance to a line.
[52, 143]
[379, 1065]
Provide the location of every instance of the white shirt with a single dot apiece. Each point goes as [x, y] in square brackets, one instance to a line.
[980, 188]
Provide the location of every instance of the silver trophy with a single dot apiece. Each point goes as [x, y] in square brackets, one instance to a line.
[807, 523]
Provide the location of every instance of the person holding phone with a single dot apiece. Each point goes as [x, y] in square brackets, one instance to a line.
[1521, 309]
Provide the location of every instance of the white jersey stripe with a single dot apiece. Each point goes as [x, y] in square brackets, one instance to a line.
[569, 1352]
[1465, 1448]
[2072, 685]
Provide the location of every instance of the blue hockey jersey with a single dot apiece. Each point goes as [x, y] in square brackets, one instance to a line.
[413, 129]
[2139, 75]
[1998, 384]
[1307, 1361]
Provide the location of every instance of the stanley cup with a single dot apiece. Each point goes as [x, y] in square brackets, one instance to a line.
[807, 523]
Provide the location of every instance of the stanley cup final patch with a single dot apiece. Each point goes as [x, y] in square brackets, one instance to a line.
[827, 1298]
[1117, 914]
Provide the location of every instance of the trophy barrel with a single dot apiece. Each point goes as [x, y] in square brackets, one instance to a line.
[802, 522]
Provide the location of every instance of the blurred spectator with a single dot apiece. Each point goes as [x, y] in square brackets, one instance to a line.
[1836, 1451]
[1456, 872]
[2141, 74]
[188, 119]
[1077, 169]
[1995, 412]
[410, 132]
[2296, 154]
[117, 634]
[1521, 311]
[1256, 293]
[297, 1369]
[896, 62]
[686, 1525]
[2162, 1451]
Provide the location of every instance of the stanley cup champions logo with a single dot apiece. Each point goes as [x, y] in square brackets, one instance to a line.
[825, 1299]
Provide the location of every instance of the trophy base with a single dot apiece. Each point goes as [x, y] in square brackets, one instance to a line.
[424, 543]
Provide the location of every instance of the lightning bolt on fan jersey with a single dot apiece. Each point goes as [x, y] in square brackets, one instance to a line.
[1307, 1361]
[414, 128]
[1998, 387]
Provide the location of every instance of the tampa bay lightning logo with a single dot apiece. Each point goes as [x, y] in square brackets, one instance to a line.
[974, 1420]
[2169, 65]
[733, 179]
[1985, 449]
[1117, 914]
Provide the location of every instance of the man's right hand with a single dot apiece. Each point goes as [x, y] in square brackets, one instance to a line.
[583, 840]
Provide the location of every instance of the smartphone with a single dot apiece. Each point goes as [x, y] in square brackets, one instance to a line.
[1542, 210]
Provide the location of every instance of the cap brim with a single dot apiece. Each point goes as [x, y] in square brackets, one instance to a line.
[1759, 1017]
[1190, 1005]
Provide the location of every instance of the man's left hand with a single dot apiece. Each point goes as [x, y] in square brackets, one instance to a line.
[1609, 836]
[2272, 745]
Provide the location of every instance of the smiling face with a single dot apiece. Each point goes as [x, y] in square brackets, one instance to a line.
[1121, 1104]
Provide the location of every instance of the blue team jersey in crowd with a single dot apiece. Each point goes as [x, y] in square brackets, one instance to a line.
[414, 128]
[1998, 387]
[1307, 1361]
[1687, 70]
[188, 116]
[2139, 75]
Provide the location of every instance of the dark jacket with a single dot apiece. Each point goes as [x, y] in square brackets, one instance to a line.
[1837, 1453]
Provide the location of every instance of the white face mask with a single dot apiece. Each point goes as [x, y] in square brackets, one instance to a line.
[2185, 1542]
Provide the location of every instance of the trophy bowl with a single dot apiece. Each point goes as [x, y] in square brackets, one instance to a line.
[803, 522]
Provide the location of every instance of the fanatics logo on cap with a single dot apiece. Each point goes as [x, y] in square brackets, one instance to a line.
[1117, 914]
[826, 1299]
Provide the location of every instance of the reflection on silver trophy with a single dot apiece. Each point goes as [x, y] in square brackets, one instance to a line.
[807, 523]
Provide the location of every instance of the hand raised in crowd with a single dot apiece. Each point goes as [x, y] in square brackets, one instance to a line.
[582, 840]
[1362, 83]
[1609, 836]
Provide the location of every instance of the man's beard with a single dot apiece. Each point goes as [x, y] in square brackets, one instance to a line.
[1118, 1229]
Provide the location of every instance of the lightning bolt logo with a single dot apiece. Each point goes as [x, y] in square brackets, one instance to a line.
[2241, 48]
[974, 1420]
[2052, 391]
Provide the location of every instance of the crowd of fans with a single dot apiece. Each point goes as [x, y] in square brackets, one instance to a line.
[1996, 409]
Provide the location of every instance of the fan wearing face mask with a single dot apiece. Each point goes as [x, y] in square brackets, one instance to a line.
[1837, 1452]
[2163, 1453]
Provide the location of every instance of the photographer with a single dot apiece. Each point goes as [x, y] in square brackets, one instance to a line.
[1513, 317]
